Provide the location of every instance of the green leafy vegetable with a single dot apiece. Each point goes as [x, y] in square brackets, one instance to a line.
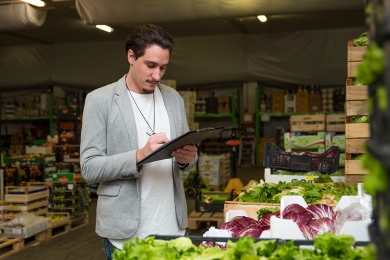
[361, 41]
[266, 210]
[372, 66]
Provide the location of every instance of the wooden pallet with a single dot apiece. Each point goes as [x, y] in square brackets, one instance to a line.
[79, 222]
[196, 218]
[58, 230]
[9, 246]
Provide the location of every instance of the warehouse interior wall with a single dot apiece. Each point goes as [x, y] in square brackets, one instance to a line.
[280, 58]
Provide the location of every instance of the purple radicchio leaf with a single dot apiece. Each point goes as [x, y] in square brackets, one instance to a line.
[252, 231]
[238, 223]
[321, 211]
[322, 225]
[298, 214]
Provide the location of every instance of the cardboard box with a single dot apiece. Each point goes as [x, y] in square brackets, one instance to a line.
[290, 103]
[315, 103]
[304, 142]
[63, 177]
[335, 140]
[277, 102]
[287, 229]
[302, 101]
[39, 149]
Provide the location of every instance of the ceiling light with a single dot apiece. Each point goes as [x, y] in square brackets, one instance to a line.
[262, 18]
[38, 3]
[105, 28]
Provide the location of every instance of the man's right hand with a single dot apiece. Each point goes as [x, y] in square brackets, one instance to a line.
[154, 142]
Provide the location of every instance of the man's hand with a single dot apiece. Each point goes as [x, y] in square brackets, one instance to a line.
[185, 154]
[154, 142]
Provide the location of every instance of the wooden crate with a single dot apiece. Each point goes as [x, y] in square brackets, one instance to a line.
[356, 53]
[353, 179]
[355, 57]
[250, 208]
[27, 206]
[25, 194]
[307, 123]
[357, 108]
[351, 69]
[196, 218]
[60, 227]
[354, 167]
[355, 145]
[355, 92]
[335, 123]
[358, 130]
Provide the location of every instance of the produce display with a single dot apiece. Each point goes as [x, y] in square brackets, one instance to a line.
[328, 193]
[325, 247]
[313, 221]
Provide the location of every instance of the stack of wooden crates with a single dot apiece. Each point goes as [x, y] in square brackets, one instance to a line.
[356, 134]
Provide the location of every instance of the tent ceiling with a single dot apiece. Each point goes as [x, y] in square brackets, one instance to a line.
[64, 22]
[303, 41]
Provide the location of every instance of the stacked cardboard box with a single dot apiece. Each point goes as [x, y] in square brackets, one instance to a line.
[215, 170]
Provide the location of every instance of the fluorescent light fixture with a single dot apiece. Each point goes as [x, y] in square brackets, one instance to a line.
[38, 3]
[262, 18]
[105, 28]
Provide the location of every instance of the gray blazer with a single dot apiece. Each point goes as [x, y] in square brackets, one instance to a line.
[108, 156]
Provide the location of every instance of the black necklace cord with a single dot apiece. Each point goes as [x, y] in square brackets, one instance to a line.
[154, 113]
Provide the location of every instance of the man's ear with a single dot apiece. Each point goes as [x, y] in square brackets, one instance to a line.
[130, 56]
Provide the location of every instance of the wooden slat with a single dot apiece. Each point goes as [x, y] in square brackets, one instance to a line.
[250, 208]
[356, 53]
[335, 123]
[352, 65]
[355, 145]
[307, 123]
[356, 93]
[354, 167]
[357, 108]
[361, 130]
[353, 179]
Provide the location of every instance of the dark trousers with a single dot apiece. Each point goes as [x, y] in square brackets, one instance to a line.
[108, 248]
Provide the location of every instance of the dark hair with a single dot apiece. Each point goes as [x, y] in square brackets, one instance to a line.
[146, 35]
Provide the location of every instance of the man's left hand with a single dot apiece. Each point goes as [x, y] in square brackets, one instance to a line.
[185, 154]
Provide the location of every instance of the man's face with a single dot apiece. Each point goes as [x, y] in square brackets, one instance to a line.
[147, 70]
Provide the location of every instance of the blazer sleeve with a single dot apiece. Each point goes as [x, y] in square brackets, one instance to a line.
[96, 164]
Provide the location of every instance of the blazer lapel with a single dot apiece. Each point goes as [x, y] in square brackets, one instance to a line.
[126, 109]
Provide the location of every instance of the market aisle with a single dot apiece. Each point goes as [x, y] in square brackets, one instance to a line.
[83, 243]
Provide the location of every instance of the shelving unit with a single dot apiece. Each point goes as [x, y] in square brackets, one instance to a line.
[268, 116]
[234, 115]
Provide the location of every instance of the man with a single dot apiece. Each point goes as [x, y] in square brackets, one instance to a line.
[125, 121]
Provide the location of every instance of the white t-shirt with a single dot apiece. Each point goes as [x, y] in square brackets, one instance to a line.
[158, 213]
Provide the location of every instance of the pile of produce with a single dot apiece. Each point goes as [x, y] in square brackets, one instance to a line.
[339, 172]
[313, 221]
[325, 247]
[328, 193]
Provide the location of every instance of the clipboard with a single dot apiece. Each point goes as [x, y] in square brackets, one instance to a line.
[189, 138]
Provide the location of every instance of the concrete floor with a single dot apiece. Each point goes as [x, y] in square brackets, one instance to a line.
[83, 243]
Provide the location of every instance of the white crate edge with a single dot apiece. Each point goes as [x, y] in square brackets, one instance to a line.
[275, 178]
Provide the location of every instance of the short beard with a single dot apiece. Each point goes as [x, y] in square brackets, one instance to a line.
[148, 91]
